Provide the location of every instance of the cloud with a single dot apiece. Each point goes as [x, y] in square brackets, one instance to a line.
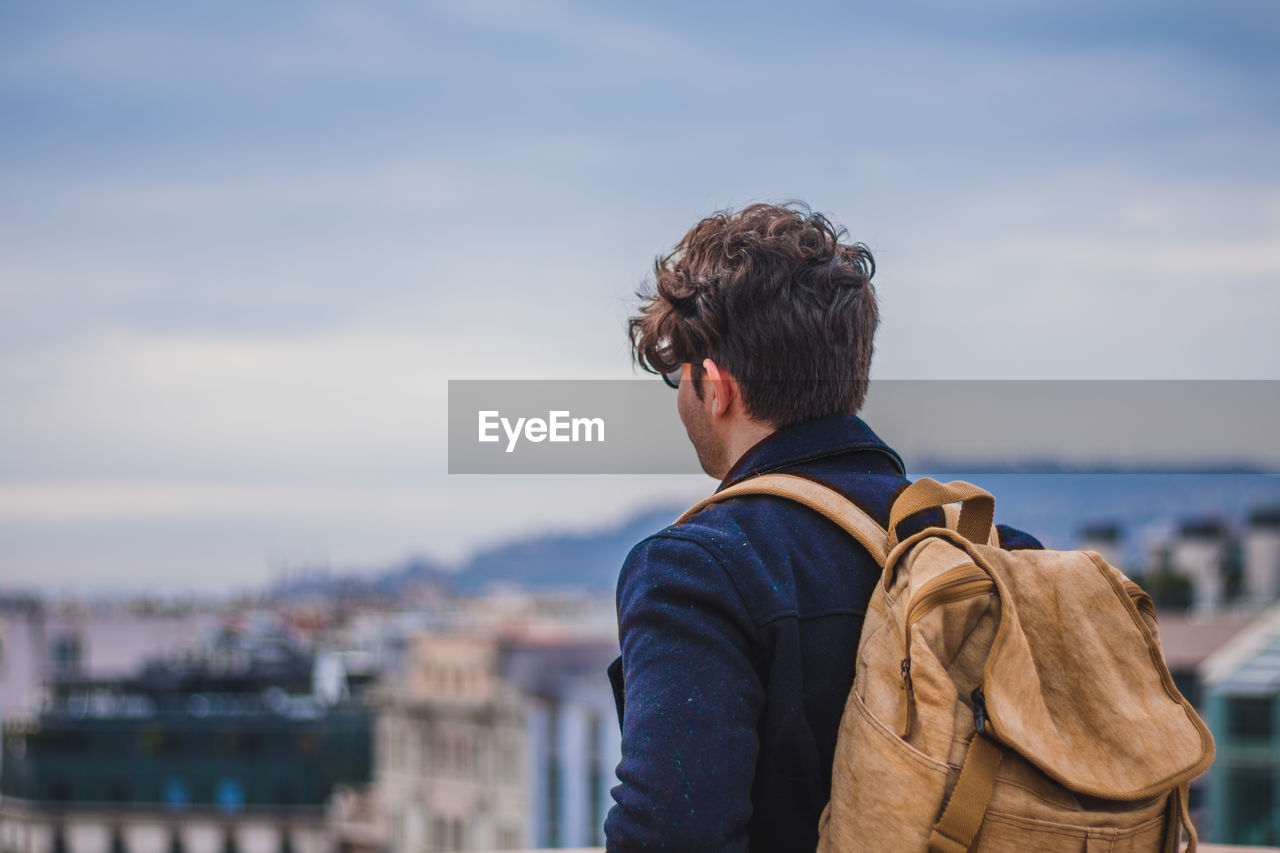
[139, 49]
[354, 403]
[242, 250]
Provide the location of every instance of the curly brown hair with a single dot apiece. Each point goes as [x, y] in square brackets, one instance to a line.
[771, 294]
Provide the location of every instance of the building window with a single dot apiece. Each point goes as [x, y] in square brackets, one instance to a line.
[466, 756]
[1188, 684]
[596, 779]
[65, 654]
[285, 794]
[230, 794]
[1250, 791]
[307, 744]
[508, 838]
[176, 795]
[1250, 717]
[154, 742]
[510, 762]
[60, 790]
[553, 777]
[399, 831]
[118, 791]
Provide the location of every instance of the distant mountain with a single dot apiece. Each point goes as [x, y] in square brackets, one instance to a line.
[416, 570]
[579, 561]
[389, 583]
[1054, 505]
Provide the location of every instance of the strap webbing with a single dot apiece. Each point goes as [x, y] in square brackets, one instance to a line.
[1184, 813]
[951, 515]
[822, 499]
[955, 830]
[1179, 820]
[976, 515]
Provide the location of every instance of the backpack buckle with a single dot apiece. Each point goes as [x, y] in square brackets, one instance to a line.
[981, 722]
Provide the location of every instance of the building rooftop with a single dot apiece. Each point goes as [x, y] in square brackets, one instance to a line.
[1248, 662]
[1188, 639]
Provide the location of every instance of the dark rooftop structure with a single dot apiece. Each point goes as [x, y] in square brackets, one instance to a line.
[182, 736]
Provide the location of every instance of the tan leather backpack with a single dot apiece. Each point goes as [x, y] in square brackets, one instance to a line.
[1003, 700]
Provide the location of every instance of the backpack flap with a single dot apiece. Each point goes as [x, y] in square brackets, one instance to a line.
[1076, 682]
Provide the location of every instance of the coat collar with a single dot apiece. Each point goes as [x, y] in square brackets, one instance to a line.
[828, 436]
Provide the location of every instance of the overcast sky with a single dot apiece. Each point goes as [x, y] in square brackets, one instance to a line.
[244, 245]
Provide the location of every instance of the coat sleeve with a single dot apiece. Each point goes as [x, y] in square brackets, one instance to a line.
[693, 699]
[1013, 539]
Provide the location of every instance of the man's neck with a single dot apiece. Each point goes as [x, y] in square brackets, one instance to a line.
[741, 440]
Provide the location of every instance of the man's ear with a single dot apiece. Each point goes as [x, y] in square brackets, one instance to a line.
[724, 390]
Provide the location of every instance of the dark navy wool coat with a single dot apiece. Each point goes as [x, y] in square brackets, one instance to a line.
[739, 631]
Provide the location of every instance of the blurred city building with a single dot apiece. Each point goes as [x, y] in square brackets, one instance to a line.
[1188, 638]
[42, 642]
[491, 739]
[1106, 539]
[1262, 556]
[333, 715]
[234, 746]
[1198, 552]
[1242, 704]
[1211, 582]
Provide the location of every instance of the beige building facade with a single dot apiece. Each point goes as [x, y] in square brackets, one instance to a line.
[490, 740]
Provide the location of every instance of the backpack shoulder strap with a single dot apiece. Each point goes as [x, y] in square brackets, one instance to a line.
[822, 499]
